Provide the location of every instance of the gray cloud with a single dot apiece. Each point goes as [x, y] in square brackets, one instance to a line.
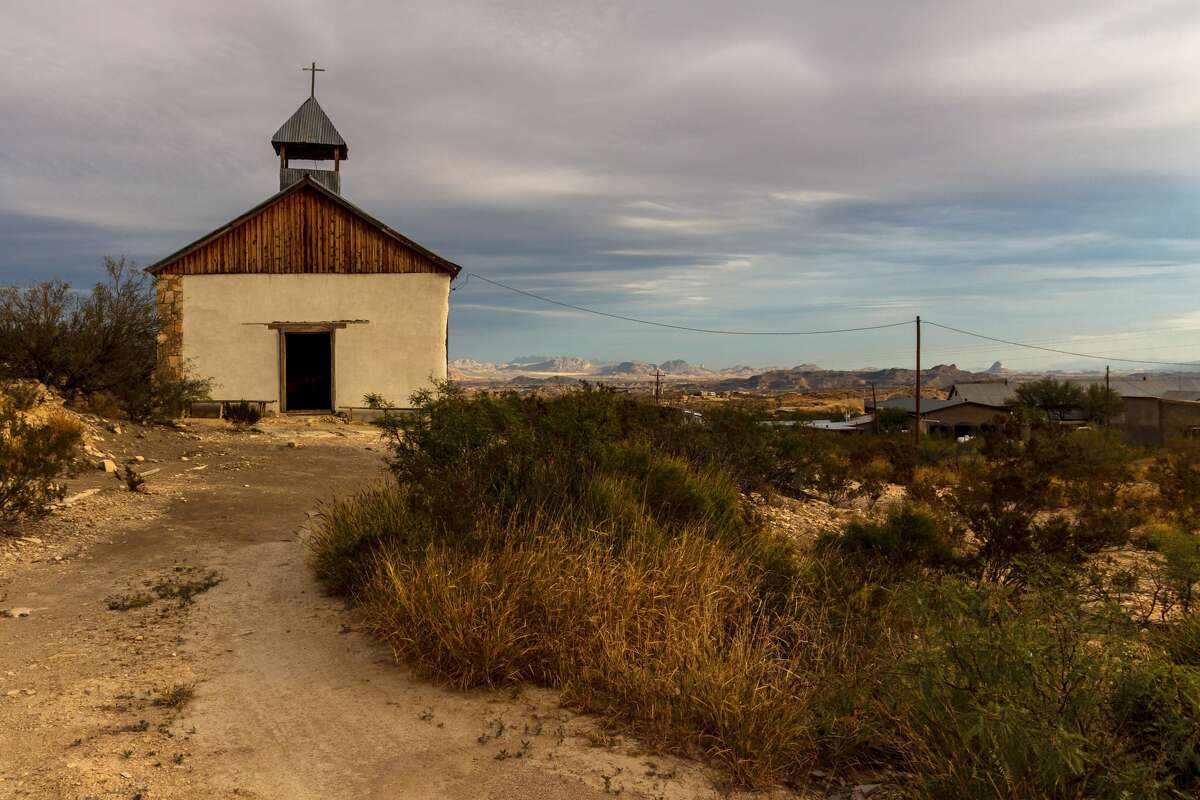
[1006, 165]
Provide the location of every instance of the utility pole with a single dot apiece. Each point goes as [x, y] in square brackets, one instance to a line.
[874, 411]
[1107, 397]
[657, 385]
[917, 397]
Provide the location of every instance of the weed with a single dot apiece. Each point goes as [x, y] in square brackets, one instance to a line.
[176, 697]
[124, 602]
[185, 589]
[242, 413]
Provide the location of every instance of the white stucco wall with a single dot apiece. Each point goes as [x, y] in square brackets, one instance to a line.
[399, 349]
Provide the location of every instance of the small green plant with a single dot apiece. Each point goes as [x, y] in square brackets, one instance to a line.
[376, 401]
[176, 697]
[908, 537]
[243, 413]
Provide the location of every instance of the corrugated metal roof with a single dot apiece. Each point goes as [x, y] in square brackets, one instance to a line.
[985, 394]
[928, 404]
[310, 125]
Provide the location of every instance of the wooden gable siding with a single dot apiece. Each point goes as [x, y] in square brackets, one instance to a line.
[302, 233]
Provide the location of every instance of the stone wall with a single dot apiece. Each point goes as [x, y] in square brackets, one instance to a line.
[169, 304]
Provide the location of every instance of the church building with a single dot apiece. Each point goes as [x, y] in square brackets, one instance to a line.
[306, 303]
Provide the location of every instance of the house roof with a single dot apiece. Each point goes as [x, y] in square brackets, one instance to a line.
[307, 183]
[928, 404]
[992, 393]
[309, 133]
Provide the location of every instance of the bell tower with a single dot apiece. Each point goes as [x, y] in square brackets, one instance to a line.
[309, 135]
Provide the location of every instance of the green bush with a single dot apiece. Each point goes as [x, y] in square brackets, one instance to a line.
[98, 344]
[1028, 694]
[32, 457]
[1176, 471]
[1181, 640]
[908, 537]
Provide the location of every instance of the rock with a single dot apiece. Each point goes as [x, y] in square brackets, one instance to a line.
[185, 458]
[865, 790]
[115, 428]
[108, 465]
[16, 612]
[138, 459]
[75, 498]
[293, 444]
[12, 693]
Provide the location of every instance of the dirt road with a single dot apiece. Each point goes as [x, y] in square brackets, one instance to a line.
[258, 686]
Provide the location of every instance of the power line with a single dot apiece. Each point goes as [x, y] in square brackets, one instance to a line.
[1063, 352]
[1010, 342]
[681, 327]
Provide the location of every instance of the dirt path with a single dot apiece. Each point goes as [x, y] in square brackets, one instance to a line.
[290, 700]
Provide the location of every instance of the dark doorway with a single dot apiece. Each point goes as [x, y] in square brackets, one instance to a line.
[308, 367]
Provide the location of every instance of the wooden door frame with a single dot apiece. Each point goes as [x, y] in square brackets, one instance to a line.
[284, 328]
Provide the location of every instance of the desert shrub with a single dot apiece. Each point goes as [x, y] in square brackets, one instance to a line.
[101, 341]
[1027, 694]
[24, 395]
[1176, 471]
[243, 413]
[1156, 707]
[95, 345]
[165, 395]
[1181, 640]
[907, 537]
[1180, 562]
[32, 457]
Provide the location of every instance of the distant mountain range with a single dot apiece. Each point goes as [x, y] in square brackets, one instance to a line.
[551, 370]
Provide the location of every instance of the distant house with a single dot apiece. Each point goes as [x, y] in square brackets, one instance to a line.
[952, 417]
[1155, 409]
[1157, 420]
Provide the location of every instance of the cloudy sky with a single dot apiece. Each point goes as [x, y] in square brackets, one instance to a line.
[1029, 170]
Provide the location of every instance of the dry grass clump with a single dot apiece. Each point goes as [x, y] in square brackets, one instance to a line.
[670, 640]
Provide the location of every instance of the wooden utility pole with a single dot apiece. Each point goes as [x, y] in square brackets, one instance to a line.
[1107, 397]
[657, 385]
[874, 410]
[917, 398]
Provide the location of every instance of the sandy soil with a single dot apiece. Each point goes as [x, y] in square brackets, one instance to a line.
[290, 699]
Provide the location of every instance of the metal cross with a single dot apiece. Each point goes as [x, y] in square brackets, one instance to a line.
[314, 69]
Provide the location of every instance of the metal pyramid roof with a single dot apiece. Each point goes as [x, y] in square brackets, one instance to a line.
[309, 134]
